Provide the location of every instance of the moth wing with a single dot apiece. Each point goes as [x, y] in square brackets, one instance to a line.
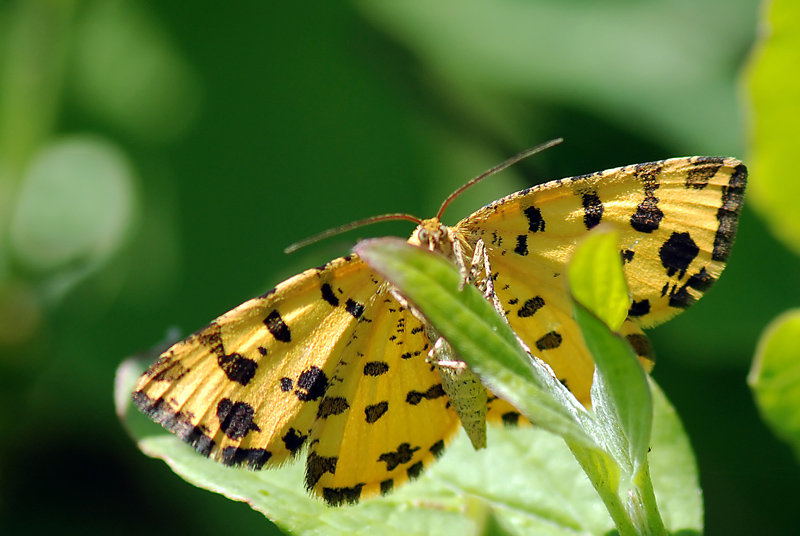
[385, 416]
[677, 220]
[246, 389]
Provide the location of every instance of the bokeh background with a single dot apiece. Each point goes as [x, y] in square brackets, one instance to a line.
[156, 157]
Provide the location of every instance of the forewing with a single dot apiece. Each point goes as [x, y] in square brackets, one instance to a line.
[246, 390]
[385, 416]
[677, 220]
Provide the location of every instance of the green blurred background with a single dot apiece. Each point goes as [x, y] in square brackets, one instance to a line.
[156, 157]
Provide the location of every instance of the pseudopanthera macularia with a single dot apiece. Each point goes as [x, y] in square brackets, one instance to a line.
[331, 364]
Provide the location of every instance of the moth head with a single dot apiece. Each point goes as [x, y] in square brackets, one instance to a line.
[433, 235]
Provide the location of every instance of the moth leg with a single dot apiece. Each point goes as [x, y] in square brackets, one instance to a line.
[481, 264]
[404, 304]
[458, 254]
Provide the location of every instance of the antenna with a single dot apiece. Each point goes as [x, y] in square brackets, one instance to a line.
[394, 217]
[349, 227]
[496, 169]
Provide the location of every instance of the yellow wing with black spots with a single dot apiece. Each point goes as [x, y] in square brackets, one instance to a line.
[246, 390]
[327, 360]
[677, 220]
[385, 415]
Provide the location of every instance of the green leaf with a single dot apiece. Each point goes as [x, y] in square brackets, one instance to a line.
[775, 377]
[596, 278]
[773, 79]
[620, 386]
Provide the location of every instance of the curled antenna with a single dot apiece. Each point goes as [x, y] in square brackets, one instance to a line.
[496, 169]
[349, 227]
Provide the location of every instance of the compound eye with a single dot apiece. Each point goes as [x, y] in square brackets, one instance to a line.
[423, 235]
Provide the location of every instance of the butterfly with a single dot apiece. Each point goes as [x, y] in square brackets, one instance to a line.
[334, 364]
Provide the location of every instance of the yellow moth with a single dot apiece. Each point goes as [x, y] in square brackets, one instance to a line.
[333, 364]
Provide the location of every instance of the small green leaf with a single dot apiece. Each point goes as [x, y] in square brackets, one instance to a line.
[775, 377]
[620, 393]
[596, 278]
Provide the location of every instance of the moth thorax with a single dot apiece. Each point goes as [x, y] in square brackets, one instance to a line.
[433, 235]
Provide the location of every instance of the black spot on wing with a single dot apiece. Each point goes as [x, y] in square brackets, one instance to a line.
[311, 384]
[648, 174]
[376, 411]
[433, 392]
[665, 289]
[340, 496]
[332, 405]
[167, 368]
[415, 470]
[549, 341]
[701, 281]
[251, 458]
[403, 454]
[177, 422]
[387, 486]
[677, 253]
[510, 418]
[329, 296]
[639, 308]
[704, 168]
[277, 327]
[238, 368]
[522, 245]
[293, 440]
[648, 216]
[286, 384]
[354, 308]
[641, 345]
[728, 214]
[592, 210]
[535, 221]
[627, 255]
[530, 307]
[211, 338]
[376, 368]
[437, 449]
[236, 418]
[316, 466]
